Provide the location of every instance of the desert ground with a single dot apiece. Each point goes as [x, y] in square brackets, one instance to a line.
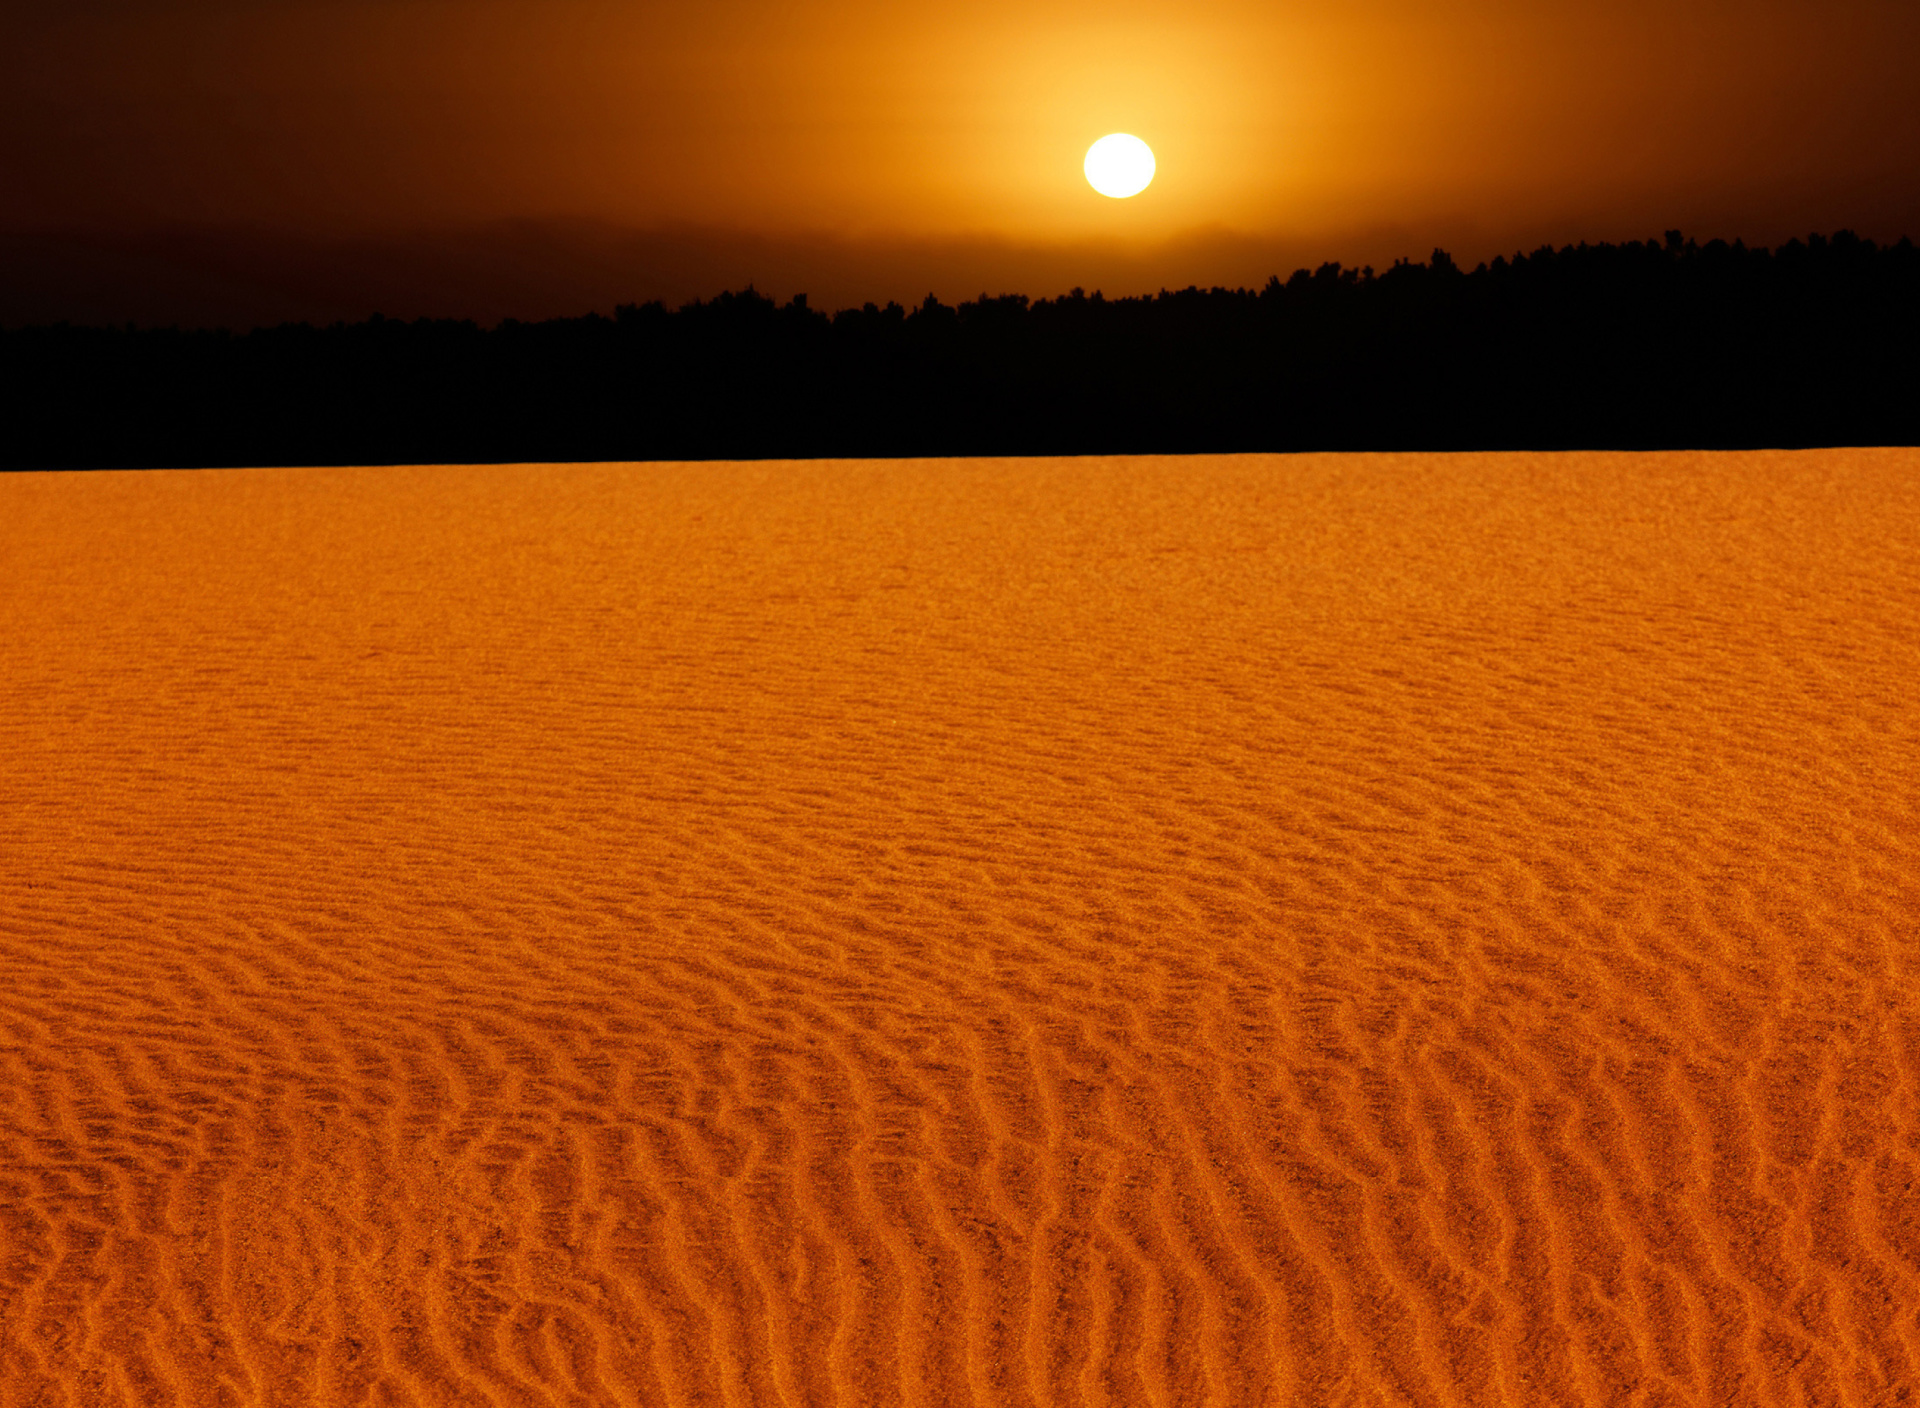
[1267, 930]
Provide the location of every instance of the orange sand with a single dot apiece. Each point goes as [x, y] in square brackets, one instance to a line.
[1418, 930]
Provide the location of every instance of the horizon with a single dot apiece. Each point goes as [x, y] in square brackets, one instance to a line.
[200, 279]
[1803, 345]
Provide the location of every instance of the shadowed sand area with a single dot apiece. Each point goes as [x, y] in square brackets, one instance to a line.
[1361, 930]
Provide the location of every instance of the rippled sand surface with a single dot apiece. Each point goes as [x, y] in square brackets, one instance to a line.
[1271, 930]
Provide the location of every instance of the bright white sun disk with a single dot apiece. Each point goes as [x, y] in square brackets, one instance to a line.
[1119, 165]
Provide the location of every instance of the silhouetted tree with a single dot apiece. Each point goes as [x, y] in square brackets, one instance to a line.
[1657, 343]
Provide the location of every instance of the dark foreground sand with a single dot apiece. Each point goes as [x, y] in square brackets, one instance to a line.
[1293, 931]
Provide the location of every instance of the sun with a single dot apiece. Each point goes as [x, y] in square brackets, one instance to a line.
[1119, 165]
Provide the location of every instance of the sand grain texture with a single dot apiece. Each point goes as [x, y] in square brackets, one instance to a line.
[1300, 931]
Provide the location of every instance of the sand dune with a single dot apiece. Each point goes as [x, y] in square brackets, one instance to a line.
[1271, 930]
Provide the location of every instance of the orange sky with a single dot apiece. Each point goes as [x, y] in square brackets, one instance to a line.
[1344, 131]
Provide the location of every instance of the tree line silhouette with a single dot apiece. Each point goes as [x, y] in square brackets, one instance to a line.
[1649, 344]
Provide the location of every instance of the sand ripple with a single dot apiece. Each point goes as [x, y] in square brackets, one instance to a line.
[1296, 931]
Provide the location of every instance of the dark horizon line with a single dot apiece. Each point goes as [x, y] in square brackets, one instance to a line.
[1672, 242]
[1642, 345]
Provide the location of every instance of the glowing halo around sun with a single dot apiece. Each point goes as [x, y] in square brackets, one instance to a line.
[1119, 165]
